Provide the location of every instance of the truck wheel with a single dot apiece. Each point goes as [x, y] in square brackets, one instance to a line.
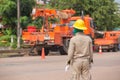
[62, 51]
[108, 50]
[46, 51]
[96, 49]
[36, 51]
[39, 52]
[115, 49]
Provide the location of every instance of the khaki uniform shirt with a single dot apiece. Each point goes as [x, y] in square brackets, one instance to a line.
[80, 47]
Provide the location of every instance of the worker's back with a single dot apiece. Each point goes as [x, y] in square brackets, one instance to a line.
[82, 44]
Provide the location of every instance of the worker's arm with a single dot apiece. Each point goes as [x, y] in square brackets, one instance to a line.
[70, 51]
[91, 52]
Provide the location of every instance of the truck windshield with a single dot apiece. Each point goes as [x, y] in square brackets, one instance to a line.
[92, 25]
[71, 23]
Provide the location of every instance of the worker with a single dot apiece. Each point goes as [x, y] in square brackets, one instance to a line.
[80, 53]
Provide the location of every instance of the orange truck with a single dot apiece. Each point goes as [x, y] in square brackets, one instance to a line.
[108, 42]
[53, 38]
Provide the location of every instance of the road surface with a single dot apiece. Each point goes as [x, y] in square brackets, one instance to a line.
[106, 67]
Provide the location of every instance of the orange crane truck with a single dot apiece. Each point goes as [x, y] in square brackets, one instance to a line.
[108, 42]
[49, 37]
[53, 38]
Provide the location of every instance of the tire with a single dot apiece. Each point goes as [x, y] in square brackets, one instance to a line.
[115, 49]
[96, 48]
[46, 51]
[62, 51]
[38, 50]
[108, 50]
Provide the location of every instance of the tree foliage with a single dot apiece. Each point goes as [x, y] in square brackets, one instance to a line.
[38, 22]
[102, 11]
[8, 10]
[6, 39]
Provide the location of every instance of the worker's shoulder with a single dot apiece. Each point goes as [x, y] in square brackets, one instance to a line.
[73, 38]
[88, 37]
[85, 36]
[81, 37]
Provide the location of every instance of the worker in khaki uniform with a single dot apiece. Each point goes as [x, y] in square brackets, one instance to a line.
[80, 53]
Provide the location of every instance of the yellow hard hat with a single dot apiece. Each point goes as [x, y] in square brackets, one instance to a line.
[79, 24]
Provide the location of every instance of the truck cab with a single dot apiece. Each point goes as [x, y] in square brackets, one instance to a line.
[108, 42]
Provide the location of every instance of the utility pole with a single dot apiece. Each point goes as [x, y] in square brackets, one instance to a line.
[18, 24]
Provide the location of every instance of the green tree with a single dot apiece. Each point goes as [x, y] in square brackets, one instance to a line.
[38, 22]
[102, 11]
[6, 39]
[25, 21]
[8, 10]
[61, 4]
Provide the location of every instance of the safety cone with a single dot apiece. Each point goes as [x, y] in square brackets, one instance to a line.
[100, 50]
[43, 54]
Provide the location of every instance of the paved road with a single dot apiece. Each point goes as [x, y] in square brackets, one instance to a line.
[106, 67]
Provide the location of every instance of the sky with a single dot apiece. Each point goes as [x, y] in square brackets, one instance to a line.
[117, 1]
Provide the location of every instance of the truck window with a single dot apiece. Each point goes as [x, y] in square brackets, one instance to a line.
[92, 25]
[104, 35]
[71, 23]
[112, 34]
